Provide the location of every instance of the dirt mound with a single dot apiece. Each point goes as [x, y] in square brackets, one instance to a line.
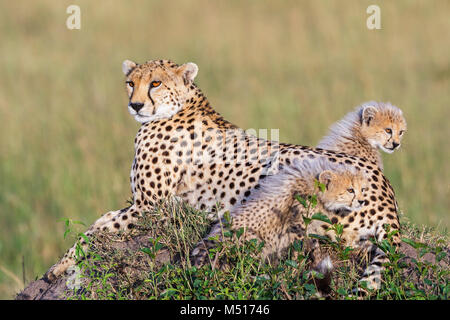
[43, 289]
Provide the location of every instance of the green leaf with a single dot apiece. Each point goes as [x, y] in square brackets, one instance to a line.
[85, 237]
[227, 234]
[301, 200]
[306, 220]
[338, 228]
[79, 222]
[239, 232]
[321, 217]
[347, 250]
[385, 245]
[169, 292]
[66, 233]
[441, 255]
[313, 200]
[310, 287]
[297, 245]
[197, 283]
[291, 263]
[321, 186]
[319, 237]
[215, 238]
[157, 246]
[412, 243]
[423, 251]
[342, 291]
[227, 216]
[149, 252]
[317, 275]
[262, 278]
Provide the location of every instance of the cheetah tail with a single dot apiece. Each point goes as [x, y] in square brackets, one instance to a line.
[325, 267]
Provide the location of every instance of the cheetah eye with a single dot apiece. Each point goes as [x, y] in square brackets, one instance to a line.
[155, 84]
[350, 190]
[388, 130]
[130, 83]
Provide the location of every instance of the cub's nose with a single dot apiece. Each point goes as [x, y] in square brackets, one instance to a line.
[136, 106]
[395, 145]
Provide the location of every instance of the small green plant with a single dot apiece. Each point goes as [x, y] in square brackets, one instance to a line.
[154, 248]
[69, 229]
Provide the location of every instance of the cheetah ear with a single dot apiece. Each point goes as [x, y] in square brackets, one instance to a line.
[128, 66]
[325, 177]
[188, 71]
[368, 114]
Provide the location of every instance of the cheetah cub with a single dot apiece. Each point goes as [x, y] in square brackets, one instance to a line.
[273, 215]
[371, 126]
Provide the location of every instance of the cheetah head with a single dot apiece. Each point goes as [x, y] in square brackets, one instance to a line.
[157, 89]
[343, 190]
[383, 126]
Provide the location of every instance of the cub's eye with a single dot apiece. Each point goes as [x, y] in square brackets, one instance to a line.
[388, 130]
[155, 84]
[401, 132]
[350, 190]
[130, 83]
[363, 190]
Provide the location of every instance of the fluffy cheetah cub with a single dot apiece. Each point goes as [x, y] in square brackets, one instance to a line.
[371, 126]
[273, 214]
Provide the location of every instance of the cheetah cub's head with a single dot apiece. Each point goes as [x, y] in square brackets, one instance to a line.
[383, 126]
[157, 89]
[344, 190]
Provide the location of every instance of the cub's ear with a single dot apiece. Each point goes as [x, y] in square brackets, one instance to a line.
[127, 66]
[188, 71]
[368, 114]
[325, 177]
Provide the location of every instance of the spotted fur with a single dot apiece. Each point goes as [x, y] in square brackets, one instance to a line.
[371, 127]
[273, 215]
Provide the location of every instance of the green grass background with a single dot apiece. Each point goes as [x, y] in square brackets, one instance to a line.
[66, 138]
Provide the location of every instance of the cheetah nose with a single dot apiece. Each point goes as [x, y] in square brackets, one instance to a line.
[136, 106]
[395, 145]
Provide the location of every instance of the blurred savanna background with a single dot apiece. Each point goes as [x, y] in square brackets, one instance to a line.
[66, 138]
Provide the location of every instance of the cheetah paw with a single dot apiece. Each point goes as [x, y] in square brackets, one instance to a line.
[59, 269]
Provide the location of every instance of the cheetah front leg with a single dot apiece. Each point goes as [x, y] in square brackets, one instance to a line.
[373, 274]
[112, 221]
[200, 254]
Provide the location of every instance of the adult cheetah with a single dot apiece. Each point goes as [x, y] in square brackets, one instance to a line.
[185, 148]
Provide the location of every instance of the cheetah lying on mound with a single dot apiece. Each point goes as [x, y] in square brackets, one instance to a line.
[184, 148]
[371, 126]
